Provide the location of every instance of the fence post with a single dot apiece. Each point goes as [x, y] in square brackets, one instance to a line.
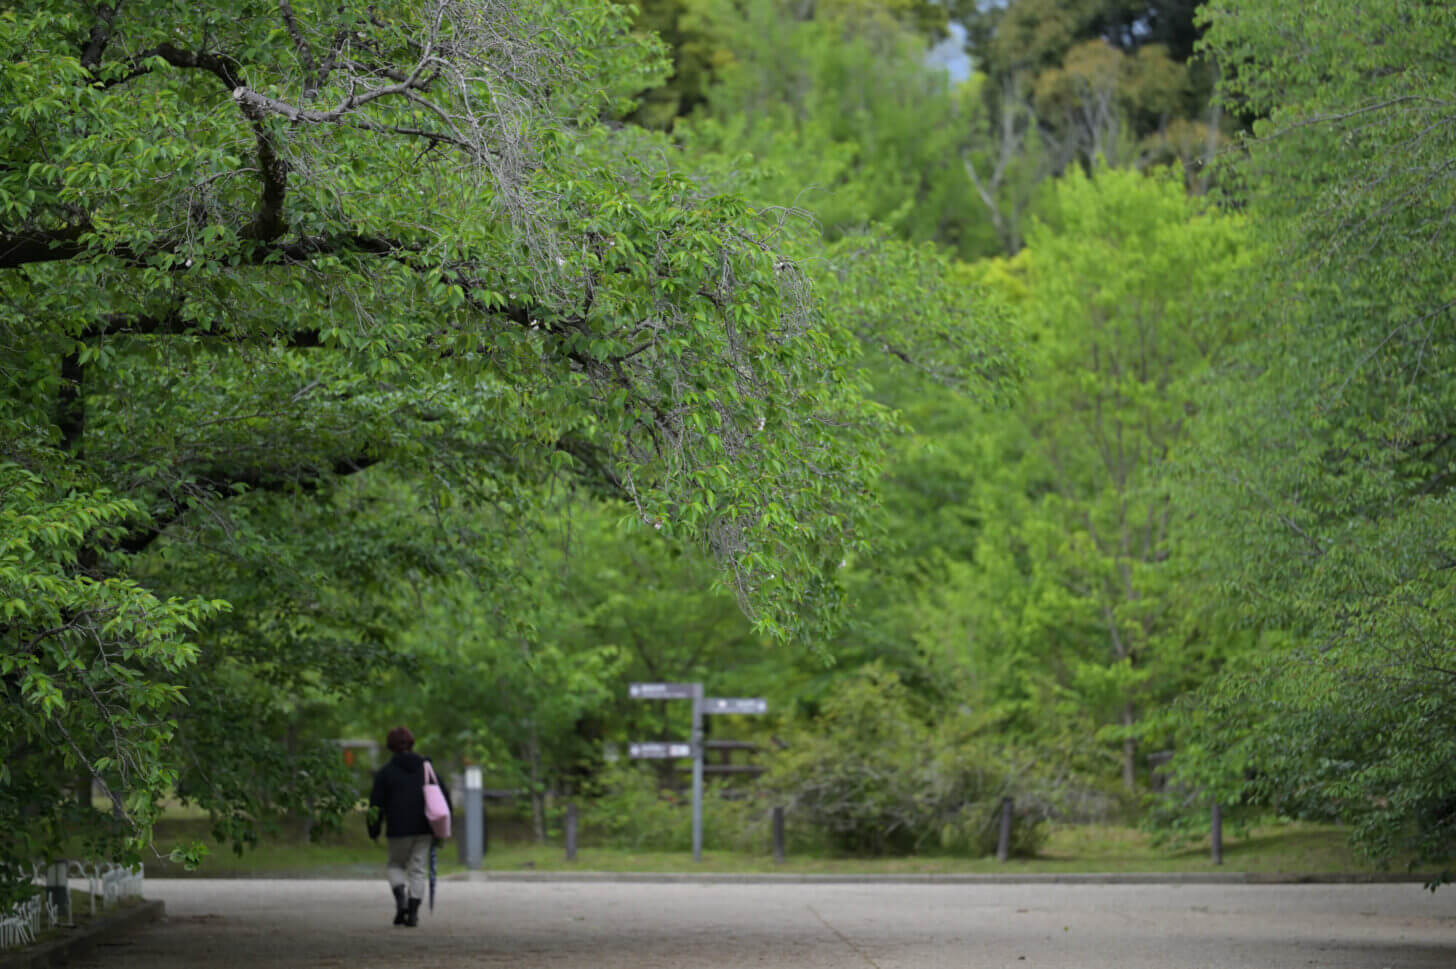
[778, 834]
[571, 831]
[1003, 842]
[1216, 833]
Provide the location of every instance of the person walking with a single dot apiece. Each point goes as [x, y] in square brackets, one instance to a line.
[397, 802]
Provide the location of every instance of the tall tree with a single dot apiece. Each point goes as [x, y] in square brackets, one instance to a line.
[1326, 475]
[1108, 80]
[1074, 582]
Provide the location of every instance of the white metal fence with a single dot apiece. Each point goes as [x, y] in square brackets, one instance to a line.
[107, 883]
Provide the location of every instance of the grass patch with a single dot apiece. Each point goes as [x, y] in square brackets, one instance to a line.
[1277, 848]
[286, 851]
[1285, 849]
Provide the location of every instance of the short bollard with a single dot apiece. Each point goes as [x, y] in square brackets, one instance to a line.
[1003, 841]
[473, 845]
[778, 834]
[571, 831]
[1215, 831]
[58, 890]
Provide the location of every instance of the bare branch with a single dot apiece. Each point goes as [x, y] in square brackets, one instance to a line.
[300, 45]
[262, 104]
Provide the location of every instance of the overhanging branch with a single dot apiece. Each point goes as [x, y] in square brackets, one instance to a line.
[172, 324]
[219, 484]
[30, 246]
[268, 222]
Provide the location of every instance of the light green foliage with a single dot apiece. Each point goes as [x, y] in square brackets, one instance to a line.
[1070, 612]
[503, 666]
[873, 777]
[1325, 471]
[952, 333]
[931, 471]
[504, 683]
[699, 35]
[86, 660]
[526, 673]
[632, 810]
[848, 121]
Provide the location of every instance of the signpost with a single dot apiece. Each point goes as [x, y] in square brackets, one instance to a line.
[697, 772]
[663, 750]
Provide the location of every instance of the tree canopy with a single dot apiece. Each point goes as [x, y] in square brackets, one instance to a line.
[280, 282]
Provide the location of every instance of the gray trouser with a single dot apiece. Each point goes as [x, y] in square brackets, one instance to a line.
[409, 859]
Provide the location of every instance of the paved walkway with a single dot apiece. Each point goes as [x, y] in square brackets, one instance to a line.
[564, 925]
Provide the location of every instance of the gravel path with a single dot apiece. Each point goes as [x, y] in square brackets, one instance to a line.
[259, 924]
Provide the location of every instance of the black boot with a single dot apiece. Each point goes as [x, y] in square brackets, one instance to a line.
[412, 915]
[400, 911]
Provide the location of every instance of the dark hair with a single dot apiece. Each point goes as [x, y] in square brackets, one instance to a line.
[400, 740]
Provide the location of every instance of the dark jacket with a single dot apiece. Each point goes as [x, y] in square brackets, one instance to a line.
[398, 798]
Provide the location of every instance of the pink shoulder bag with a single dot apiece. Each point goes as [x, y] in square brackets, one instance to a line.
[437, 811]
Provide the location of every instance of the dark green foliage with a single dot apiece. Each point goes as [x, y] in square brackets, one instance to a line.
[281, 285]
[1324, 468]
[87, 672]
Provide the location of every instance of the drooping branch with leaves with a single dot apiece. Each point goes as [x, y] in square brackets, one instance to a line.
[263, 266]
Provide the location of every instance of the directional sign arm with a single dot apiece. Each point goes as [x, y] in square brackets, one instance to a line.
[660, 691]
[739, 704]
[659, 750]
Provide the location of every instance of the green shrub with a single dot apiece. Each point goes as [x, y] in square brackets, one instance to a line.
[632, 811]
[876, 779]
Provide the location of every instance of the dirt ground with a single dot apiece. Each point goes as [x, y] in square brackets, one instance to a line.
[260, 924]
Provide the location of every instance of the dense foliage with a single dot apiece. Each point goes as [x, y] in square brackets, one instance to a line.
[1076, 583]
[872, 777]
[1325, 469]
[284, 283]
[458, 363]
